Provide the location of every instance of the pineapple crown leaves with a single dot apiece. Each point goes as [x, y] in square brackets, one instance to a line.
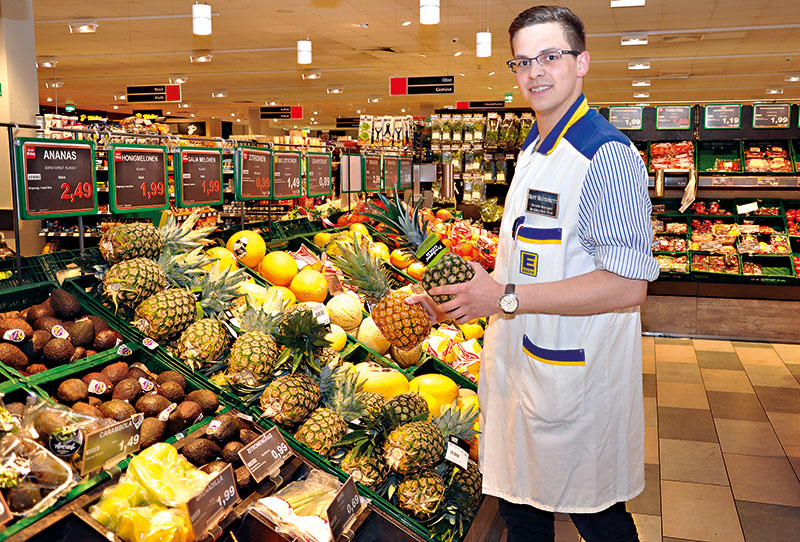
[365, 271]
[184, 238]
[340, 394]
[410, 228]
[219, 287]
[453, 421]
[182, 269]
[302, 335]
[264, 318]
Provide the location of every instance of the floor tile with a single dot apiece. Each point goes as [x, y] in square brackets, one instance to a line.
[779, 399]
[692, 461]
[786, 426]
[794, 368]
[671, 371]
[673, 341]
[793, 453]
[736, 406]
[726, 380]
[768, 522]
[648, 527]
[748, 438]
[649, 384]
[719, 360]
[683, 353]
[758, 356]
[648, 502]
[651, 445]
[699, 512]
[789, 353]
[648, 355]
[774, 376]
[747, 344]
[566, 531]
[713, 345]
[677, 540]
[686, 424]
[649, 365]
[763, 479]
[650, 412]
[680, 395]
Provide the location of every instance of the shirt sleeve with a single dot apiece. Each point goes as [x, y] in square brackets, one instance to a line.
[614, 213]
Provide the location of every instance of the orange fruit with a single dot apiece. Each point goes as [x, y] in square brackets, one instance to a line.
[248, 247]
[400, 258]
[444, 214]
[360, 228]
[278, 267]
[309, 285]
[415, 270]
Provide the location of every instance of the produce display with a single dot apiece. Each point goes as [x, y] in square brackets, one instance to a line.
[727, 264]
[793, 221]
[766, 158]
[709, 208]
[672, 264]
[679, 155]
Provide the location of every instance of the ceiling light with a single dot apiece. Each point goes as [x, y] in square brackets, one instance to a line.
[490, 88]
[490, 73]
[423, 55]
[233, 114]
[82, 28]
[54, 84]
[402, 110]
[316, 113]
[515, 86]
[627, 3]
[272, 103]
[373, 100]
[457, 53]
[358, 111]
[312, 75]
[116, 107]
[304, 51]
[168, 113]
[336, 90]
[428, 11]
[312, 118]
[462, 74]
[792, 78]
[641, 94]
[774, 91]
[363, 25]
[273, 120]
[201, 19]
[179, 80]
[240, 120]
[200, 58]
[406, 23]
[49, 99]
[185, 106]
[47, 63]
[192, 115]
[634, 39]
[643, 104]
[638, 65]
[219, 94]
[296, 125]
[641, 82]
[483, 44]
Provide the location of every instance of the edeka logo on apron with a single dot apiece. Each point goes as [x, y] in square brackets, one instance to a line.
[529, 263]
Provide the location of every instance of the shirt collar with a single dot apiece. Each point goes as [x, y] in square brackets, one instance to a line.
[575, 112]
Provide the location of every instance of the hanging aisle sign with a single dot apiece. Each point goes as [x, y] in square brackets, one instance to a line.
[281, 112]
[153, 93]
[137, 178]
[625, 118]
[198, 176]
[319, 174]
[351, 173]
[391, 172]
[55, 178]
[674, 117]
[287, 175]
[437, 84]
[253, 174]
[771, 115]
[406, 174]
[723, 116]
[372, 174]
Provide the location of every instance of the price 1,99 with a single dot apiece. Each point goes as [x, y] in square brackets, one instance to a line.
[211, 187]
[151, 190]
[228, 495]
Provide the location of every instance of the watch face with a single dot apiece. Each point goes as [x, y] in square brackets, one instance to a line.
[509, 303]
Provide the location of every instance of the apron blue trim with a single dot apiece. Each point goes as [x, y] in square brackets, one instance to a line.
[541, 236]
[553, 357]
[575, 112]
[517, 223]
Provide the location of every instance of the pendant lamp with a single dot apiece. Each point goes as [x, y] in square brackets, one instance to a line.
[428, 11]
[201, 19]
[483, 44]
[304, 51]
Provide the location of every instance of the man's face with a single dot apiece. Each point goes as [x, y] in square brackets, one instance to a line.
[552, 89]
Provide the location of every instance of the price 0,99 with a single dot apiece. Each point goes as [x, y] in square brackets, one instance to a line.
[280, 451]
[82, 190]
[262, 183]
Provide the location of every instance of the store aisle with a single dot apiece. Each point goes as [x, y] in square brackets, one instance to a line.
[722, 445]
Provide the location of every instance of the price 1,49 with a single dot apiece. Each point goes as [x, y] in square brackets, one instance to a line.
[293, 183]
[82, 190]
[152, 189]
[211, 187]
[131, 443]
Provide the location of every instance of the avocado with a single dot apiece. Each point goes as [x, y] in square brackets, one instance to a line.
[172, 376]
[23, 496]
[18, 330]
[46, 323]
[207, 400]
[98, 378]
[151, 404]
[87, 410]
[72, 390]
[246, 436]
[116, 372]
[33, 347]
[38, 311]
[81, 332]
[13, 356]
[225, 428]
[127, 390]
[201, 451]
[105, 339]
[57, 351]
[172, 391]
[137, 373]
[183, 416]
[214, 467]
[79, 353]
[64, 304]
[94, 401]
[243, 479]
[230, 453]
[99, 323]
[48, 422]
[152, 431]
[117, 410]
[44, 475]
[16, 409]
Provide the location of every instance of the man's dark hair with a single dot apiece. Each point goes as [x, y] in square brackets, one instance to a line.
[571, 23]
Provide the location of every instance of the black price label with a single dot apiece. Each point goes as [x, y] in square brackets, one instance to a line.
[287, 175]
[723, 116]
[213, 503]
[345, 506]
[5, 513]
[198, 179]
[674, 117]
[109, 443]
[266, 454]
[771, 115]
[372, 174]
[626, 118]
[406, 173]
[55, 178]
[391, 172]
[137, 176]
[254, 174]
[318, 174]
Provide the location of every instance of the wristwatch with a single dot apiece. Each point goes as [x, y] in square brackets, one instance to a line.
[509, 300]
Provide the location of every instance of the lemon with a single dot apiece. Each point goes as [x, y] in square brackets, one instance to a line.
[322, 238]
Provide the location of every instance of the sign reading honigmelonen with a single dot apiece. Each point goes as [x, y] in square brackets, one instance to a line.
[137, 178]
[253, 174]
[55, 178]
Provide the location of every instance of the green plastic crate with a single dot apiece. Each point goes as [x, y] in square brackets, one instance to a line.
[708, 152]
[32, 272]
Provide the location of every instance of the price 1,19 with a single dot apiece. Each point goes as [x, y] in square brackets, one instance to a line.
[211, 187]
[82, 190]
[730, 120]
[152, 189]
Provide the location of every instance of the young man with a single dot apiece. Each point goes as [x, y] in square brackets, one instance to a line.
[560, 384]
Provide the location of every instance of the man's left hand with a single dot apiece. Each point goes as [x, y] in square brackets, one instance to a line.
[474, 299]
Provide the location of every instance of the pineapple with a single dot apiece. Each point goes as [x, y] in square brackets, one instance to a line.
[450, 269]
[327, 356]
[166, 313]
[203, 341]
[465, 487]
[371, 401]
[288, 400]
[369, 470]
[303, 336]
[404, 408]
[421, 495]
[404, 326]
[255, 355]
[451, 522]
[419, 445]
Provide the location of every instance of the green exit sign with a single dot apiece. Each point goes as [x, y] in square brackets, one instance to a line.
[509, 97]
[69, 108]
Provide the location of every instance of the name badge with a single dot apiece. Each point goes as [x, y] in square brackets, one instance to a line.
[542, 203]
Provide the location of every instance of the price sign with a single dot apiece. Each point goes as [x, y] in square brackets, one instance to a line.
[351, 173]
[723, 116]
[372, 174]
[626, 118]
[406, 173]
[55, 178]
[771, 115]
[287, 175]
[137, 178]
[5, 513]
[253, 177]
[109, 443]
[344, 507]
[211, 505]
[674, 117]
[264, 455]
[391, 172]
[319, 174]
[198, 177]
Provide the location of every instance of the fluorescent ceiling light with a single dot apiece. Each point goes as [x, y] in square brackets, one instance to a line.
[116, 107]
[179, 80]
[774, 91]
[462, 74]
[312, 75]
[457, 53]
[82, 28]
[627, 3]
[337, 90]
[638, 65]
[641, 94]
[428, 11]
[406, 23]
[643, 104]
[304, 51]
[219, 94]
[490, 73]
[792, 78]
[201, 58]
[373, 100]
[54, 84]
[47, 63]
[634, 39]
[483, 44]
[201, 19]
[641, 82]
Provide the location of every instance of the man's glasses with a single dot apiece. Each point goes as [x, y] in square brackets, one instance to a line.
[545, 59]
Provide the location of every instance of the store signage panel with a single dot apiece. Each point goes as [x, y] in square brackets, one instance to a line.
[137, 178]
[674, 117]
[150, 114]
[198, 177]
[372, 174]
[344, 507]
[437, 84]
[626, 118]
[406, 174]
[348, 122]
[723, 116]
[265, 455]
[282, 112]
[494, 104]
[319, 174]
[109, 443]
[286, 175]
[391, 172]
[253, 174]
[55, 178]
[771, 115]
[153, 93]
[351, 173]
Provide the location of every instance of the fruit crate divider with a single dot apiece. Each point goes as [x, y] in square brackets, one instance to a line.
[32, 272]
[71, 368]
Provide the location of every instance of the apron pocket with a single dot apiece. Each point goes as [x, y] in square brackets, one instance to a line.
[530, 245]
[553, 383]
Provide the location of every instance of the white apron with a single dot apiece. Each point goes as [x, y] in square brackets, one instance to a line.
[561, 397]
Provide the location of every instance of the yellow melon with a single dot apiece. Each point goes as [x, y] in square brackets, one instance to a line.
[248, 247]
[440, 386]
[370, 336]
[278, 267]
[345, 310]
[387, 382]
[337, 337]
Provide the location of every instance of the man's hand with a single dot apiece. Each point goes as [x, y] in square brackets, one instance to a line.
[474, 299]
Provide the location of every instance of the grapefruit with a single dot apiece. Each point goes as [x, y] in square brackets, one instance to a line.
[278, 267]
[248, 247]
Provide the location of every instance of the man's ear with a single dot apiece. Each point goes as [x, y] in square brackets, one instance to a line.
[583, 64]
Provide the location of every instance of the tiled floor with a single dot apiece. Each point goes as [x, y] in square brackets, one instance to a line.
[722, 444]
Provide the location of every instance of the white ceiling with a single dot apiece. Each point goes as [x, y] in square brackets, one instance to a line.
[699, 51]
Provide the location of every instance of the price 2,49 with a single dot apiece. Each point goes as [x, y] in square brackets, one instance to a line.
[82, 190]
[211, 187]
[153, 189]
